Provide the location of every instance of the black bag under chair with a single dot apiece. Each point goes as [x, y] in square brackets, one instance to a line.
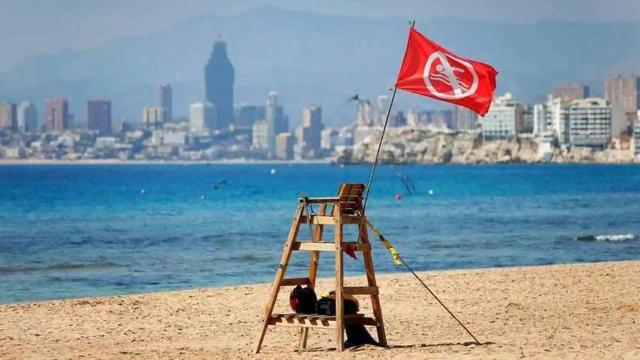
[356, 334]
[303, 300]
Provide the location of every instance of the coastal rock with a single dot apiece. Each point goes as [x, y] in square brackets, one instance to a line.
[426, 146]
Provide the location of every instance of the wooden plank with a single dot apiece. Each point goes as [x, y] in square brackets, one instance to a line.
[361, 290]
[284, 262]
[330, 220]
[371, 281]
[295, 281]
[327, 246]
[339, 282]
[319, 321]
[314, 246]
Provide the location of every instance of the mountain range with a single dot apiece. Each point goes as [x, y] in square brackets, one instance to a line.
[317, 59]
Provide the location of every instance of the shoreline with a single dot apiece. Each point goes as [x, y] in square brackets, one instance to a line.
[320, 279]
[160, 162]
[586, 310]
[11, 162]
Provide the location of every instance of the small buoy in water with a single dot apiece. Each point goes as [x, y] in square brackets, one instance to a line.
[273, 171]
[341, 166]
[202, 197]
[141, 191]
[430, 192]
[398, 197]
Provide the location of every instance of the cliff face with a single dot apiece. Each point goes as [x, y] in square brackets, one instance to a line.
[423, 146]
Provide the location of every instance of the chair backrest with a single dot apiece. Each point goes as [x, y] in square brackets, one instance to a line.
[351, 197]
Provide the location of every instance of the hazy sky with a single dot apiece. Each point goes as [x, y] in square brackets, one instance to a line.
[38, 26]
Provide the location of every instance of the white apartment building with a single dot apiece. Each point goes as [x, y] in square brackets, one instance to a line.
[590, 122]
[504, 119]
[201, 117]
[260, 135]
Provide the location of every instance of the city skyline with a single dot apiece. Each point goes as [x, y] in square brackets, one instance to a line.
[128, 70]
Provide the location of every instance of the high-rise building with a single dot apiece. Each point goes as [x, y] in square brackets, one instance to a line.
[27, 117]
[8, 118]
[398, 120]
[99, 115]
[504, 119]
[284, 146]
[218, 81]
[247, 115]
[366, 114]
[382, 102]
[152, 117]
[56, 114]
[570, 92]
[259, 135]
[165, 97]
[464, 119]
[623, 94]
[276, 121]
[311, 131]
[589, 122]
[202, 117]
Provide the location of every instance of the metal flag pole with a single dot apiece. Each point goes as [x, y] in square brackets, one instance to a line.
[366, 197]
[384, 129]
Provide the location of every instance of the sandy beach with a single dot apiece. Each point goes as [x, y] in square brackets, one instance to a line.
[560, 311]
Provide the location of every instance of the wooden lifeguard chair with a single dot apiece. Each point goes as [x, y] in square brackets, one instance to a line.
[344, 209]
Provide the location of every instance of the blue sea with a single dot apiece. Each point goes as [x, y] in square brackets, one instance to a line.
[85, 230]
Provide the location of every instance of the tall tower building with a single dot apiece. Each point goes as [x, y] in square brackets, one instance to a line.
[218, 81]
[99, 115]
[56, 114]
[311, 131]
[8, 118]
[623, 93]
[165, 98]
[276, 121]
[27, 117]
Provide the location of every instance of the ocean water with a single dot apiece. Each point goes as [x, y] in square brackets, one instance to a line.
[86, 230]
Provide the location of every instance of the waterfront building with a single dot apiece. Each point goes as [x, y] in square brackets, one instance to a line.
[152, 117]
[276, 121]
[623, 94]
[259, 135]
[590, 122]
[218, 80]
[27, 117]
[382, 102]
[366, 114]
[99, 115]
[165, 98]
[56, 114]
[284, 146]
[311, 131]
[463, 119]
[504, 119]
[397, 120]
[8, 117]
[569, 92]
[246, 115]
[328, 139]
[636, 137]
[202, 117]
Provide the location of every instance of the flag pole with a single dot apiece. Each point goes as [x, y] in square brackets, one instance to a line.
[384, 129]
[366, 197]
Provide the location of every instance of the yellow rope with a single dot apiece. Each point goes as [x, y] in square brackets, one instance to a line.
[387, 244]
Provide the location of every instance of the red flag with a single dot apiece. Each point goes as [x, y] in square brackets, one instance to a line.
[429, 69]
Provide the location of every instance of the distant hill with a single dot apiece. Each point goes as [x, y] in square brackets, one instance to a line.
[317, 59]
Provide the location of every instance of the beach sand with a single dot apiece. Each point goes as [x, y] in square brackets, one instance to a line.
[586, 311]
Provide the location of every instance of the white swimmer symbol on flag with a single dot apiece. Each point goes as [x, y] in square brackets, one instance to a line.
[446, 71]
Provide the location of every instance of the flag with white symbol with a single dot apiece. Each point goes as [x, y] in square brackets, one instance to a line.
[429, 69]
